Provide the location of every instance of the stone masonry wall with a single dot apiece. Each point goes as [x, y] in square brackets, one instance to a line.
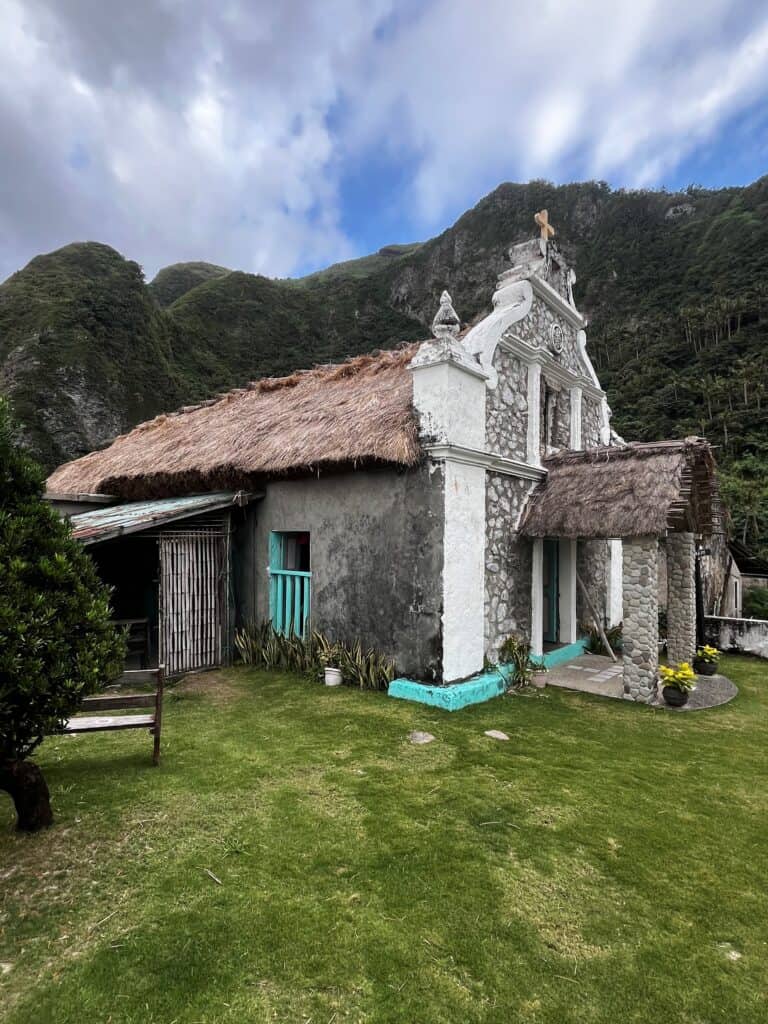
[561, 435]
[506, 408]
[536, 330]
[507, 563]
[681, 597]
[641, 618]
[593, 559]
[591, 422]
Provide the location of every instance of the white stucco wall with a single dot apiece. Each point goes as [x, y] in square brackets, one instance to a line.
[464, 571]
[451, 404]
[615, 602]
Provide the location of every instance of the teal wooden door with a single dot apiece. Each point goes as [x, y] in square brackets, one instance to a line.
[551, 589]
[289, 589]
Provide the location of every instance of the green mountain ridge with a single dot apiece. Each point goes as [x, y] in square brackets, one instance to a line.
[675, 286]
[172, 282]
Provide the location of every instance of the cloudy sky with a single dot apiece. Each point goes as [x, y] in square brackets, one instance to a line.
[281, 135]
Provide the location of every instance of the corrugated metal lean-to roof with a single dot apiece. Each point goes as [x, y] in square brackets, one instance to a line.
[118, 520]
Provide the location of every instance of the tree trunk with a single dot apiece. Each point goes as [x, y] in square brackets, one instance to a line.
[29, 792]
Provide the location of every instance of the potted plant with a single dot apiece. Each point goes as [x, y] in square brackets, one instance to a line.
[328, 654]
[705, 662]
[677, 681]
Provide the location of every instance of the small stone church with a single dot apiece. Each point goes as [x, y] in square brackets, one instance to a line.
[431, 501]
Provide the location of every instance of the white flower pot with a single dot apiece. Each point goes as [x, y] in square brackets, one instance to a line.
[333, 677]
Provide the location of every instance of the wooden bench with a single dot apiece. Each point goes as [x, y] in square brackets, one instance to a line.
[120, 701]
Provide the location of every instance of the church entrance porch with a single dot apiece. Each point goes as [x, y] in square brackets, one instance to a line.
[638, 494]
[590, 673]
[553, 594]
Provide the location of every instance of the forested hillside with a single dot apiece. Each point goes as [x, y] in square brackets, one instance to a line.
[675, 286]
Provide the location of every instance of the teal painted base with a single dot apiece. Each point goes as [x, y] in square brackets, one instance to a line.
[480, 688]
[453, 697]
[561, 655]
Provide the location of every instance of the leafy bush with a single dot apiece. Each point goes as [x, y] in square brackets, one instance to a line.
[594, 641]
[264, 647]
[755, 603]
[517, 653]
[57, 643]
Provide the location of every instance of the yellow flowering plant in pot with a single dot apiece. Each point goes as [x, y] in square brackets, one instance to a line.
[677, 682]
[705, 662]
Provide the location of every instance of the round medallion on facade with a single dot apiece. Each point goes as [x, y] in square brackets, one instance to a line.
[556, 339]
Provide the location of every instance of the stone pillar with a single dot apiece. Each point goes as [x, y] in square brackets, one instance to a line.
[681, 597]
[641, 618]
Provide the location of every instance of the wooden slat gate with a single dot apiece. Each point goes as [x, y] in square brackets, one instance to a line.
[194, 605]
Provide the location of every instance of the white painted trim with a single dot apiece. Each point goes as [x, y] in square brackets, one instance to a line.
[431, 353]
[566, 552]
[553, 298]
[533, 445]
[575, 411]
[554, 370]
[511, 303]
[615, 583]
[488, 460]
[537, 597]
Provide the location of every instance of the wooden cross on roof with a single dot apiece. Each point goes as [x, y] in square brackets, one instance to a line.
[542, 219]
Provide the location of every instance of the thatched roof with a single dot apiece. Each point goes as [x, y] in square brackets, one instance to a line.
[355, 413]
[629, 490]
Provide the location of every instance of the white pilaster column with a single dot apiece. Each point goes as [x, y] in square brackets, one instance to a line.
[567, 583]
[615, 586]
[449, 394]
[575, 435]
[534, 414]
[537, 598]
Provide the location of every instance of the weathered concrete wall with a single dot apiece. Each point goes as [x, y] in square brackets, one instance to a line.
[376, 549]
[681, 598]
[506, 408]
[641, 618]
[749, 636]
[507, 563]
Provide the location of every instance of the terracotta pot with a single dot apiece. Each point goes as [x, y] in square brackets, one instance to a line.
[674, 697]
[704, 668]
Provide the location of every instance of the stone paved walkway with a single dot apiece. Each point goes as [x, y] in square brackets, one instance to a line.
[590, 673]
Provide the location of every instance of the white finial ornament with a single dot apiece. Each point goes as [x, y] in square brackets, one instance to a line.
[446, 323]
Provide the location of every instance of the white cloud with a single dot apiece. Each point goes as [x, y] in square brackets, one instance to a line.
[220, 131]
[499, 90]
[200, 134]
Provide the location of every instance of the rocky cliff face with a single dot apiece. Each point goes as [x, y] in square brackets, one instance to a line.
[674, 286]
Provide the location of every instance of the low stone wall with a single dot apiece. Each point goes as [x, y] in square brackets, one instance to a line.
[749, 636]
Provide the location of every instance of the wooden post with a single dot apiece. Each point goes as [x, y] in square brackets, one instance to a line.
[158, 714]
[595, 617]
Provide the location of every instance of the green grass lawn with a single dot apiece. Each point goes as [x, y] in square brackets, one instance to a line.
[607, 864]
